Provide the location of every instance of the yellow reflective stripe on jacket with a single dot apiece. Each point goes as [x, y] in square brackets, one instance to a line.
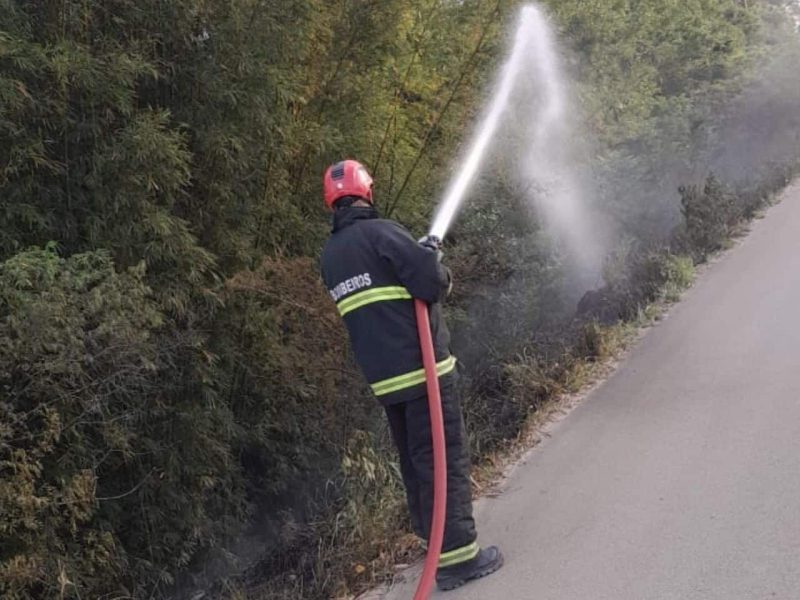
[459, 555]
[378, 294]
[401, 382]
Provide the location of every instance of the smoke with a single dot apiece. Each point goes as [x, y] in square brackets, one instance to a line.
[760, 128]
[742, 130]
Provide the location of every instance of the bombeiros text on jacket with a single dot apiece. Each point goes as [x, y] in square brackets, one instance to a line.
[350, 285]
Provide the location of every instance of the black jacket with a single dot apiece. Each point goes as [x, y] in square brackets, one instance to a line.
[373, 268]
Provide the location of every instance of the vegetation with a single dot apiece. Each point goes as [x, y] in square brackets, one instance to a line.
[178, 407]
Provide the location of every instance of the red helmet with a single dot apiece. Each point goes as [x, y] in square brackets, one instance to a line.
[347, 178]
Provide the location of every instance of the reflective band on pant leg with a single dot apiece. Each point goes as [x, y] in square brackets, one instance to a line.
[459, 555]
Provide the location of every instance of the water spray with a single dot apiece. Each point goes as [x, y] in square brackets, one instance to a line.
[455, 193]
[544, 146]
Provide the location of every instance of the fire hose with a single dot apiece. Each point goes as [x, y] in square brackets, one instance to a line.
[439, 452]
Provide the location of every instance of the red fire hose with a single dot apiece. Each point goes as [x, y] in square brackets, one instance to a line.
[439, 452]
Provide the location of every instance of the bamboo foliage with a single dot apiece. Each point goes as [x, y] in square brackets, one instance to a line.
[171, 370]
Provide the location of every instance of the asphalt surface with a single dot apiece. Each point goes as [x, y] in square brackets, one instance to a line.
[679, 477]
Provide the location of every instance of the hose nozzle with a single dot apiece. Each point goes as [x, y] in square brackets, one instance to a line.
[431, 242]
[434, 244]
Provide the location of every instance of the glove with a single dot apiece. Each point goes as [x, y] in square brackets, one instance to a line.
[433, 243]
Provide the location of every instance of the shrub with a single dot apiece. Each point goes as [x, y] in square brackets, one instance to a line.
[109, 482]
[284, 355]
[709, 212]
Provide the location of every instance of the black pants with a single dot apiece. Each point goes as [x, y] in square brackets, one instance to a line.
[411, 430]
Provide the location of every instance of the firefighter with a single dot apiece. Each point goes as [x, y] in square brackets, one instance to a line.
[373, 269]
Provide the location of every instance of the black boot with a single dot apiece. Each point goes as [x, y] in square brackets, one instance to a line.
[485, 563]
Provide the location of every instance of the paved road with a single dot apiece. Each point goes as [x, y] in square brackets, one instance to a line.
[679, 478]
